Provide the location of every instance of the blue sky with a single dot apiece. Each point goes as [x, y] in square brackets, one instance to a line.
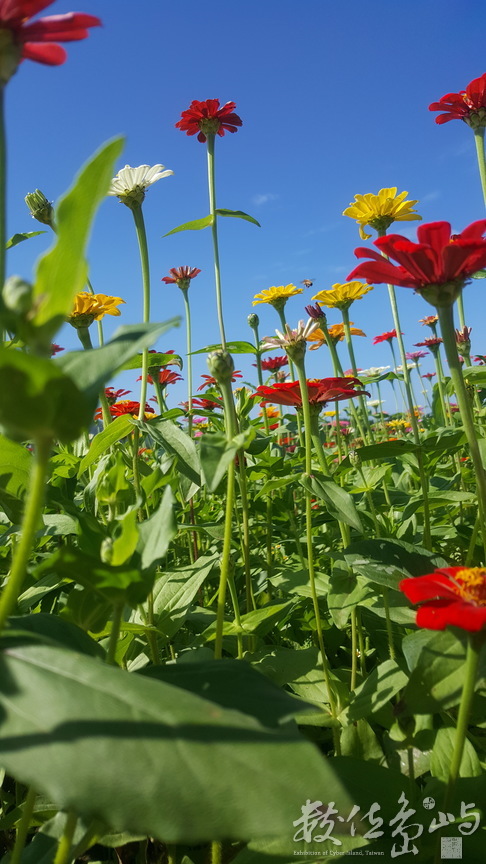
[334, 101]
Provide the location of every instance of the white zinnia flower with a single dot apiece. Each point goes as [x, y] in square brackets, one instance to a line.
[290, 337]
[373, 371]
[130, 184]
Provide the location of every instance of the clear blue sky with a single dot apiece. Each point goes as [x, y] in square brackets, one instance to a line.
[334, 101]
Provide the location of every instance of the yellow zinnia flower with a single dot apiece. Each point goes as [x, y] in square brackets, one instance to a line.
[336, 332]
[379, 211]
[277, 295]
[92, 307]
[342, 295]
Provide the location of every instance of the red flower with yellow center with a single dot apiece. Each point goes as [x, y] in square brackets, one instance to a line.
[320, 391]
[453, 596]
[437, 267]
[385, 337]
[125, 406]
[181, 276]
[468, 105]
[207, 118]
[36, 40]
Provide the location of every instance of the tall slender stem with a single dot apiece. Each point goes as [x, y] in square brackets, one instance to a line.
[24, 825]
[63, 854]
[33, 509]
[479, 141]
[214, 232]
[144, 261]
[349, 342]
[448, 335]
[188, 358]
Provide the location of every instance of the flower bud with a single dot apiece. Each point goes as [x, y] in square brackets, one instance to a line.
[17, 295]
[221, 365]
[253, 320]
[354, 458]
[40, 208]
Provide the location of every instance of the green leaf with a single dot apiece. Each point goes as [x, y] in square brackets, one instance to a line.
[53, 629]
[440, 760]
[155, 360]
[62, 271]
[19, 238]
[157, 532]
[376, 691]
[126, 542]
[115, 431]
[177, 443]
[36, 399]
[259, 621]
[479, 274]
[15, 467]
[88, 735]
[388, 561]
[174, 592]
[216, 453]
[195, 225]
[232, 347]
[339, 503]
[92, 369]
[232, 684]
[238, 214]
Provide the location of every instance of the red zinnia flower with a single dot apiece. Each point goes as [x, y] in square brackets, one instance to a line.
[55, 349]
[385, 337]
[432, 343]
[451, 595]
[113, 395]
[126, 406]
[468, 105]
[207, 118]
[211, 382]
[206, 404]
[181, 276]
[437, 267]
[481, 359]
[320, 391]
[165, 377]
[415, 355]
[273, 364]
[36, 41]
[429, 375]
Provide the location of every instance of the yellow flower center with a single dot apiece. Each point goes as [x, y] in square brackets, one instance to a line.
[470, 584]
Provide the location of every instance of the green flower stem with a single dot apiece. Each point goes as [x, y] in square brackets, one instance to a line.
[30, 524]
[115, 633]
[382, 416]
[216, 852]
[63, 854]
[310, 550]
[338, 372]
[444, 402]
[187, 308]
[424, 388]
[460, 310]
[3, 190]
[389, 628]
[24, 826]
[448, 335]
[214, 231]
[85, 338]
[159, 393]
[349, 343]
[144, 261]
[99, 324]
[472, 542]
[479, 141]
[283, 324]
[472, 663]
[258, 357]
[234, 600]
[225, 560]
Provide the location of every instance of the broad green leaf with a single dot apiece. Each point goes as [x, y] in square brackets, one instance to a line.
[232, 347]
[174, 592]
[157, 532]
[115, 431]
[195, 225]
[125, 543]
[437, 663]
[338, 502]
[15, 467]
[345, 592]
[19, 238]
[238, 214]
[157, 359]
[259, 621]
[38, 400]
[387, 561]
[52, 629]
[376, 691]
[62, 271]
[440, 760]
[232, 684]
[65, 715]
[92, 369]
[216, 453]
[284, 665]
[177, 443]
[125, 584]
[368, 478]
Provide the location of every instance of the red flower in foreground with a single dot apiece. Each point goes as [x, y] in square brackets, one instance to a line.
[36, 41]
[207, 118]
[468, 105]
[211, 382]
[125, 406]
[273, 364]
[437, 267]
[385, 337]
[181, 276]
[320, 391]
[450, 595]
